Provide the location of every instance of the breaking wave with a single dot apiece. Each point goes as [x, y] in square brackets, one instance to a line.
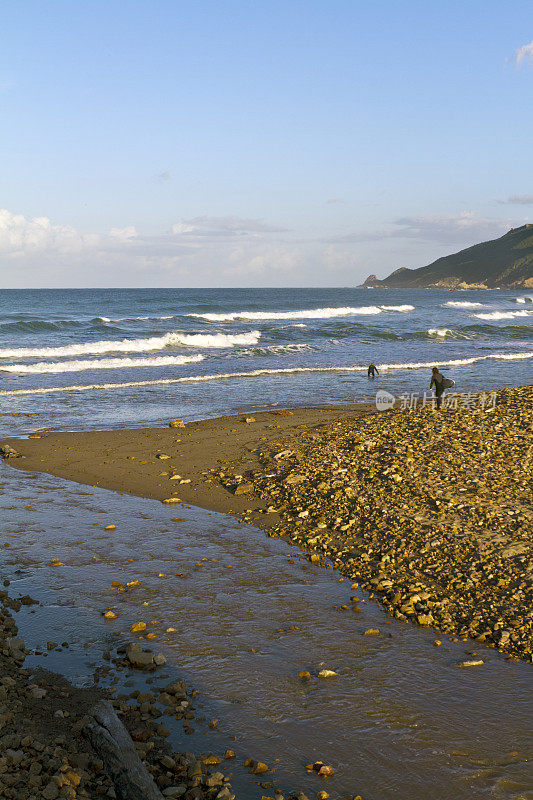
[315, 313]
[260, 372]
[45, 367]
[136, 345]
[504, 314]
[462, 304]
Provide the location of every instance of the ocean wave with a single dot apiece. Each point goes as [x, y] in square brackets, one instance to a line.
[526, 299]
[463, 304]
[314, 313]
[440, 332]
[262, 372]
[503, 314]
[101, 320]
[37, 326]
[397, 308]
[49, 367]
[136, 345]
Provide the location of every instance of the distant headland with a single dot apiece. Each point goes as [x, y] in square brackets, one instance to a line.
[505, 263]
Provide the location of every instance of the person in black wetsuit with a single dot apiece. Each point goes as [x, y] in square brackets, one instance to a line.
[373, 371]
[437, 380]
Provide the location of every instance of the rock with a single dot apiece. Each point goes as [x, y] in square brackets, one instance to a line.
[477, 662]
[244, 488]
[162, 456]
[50, 791]
[7, 452]
[176, 423]
[110, 615]
[229, 754]
[327, 673]
[159, 659]
[137, 627]
[216, 779]
[175, 791]
[249, 420]
[171, 501]
[259, 768]
[304, 675]
[138, 657]
[110, 528]
[177, 688]
[15, 644]
[372, 632]
[295, 480]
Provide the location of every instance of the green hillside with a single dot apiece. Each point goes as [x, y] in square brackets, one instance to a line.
[506, 262]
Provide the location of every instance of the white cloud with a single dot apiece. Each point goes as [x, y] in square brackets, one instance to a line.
[223, 226]
[124, 234]
[520, 199]
[20, 236]
[524, 53]
[453, 229]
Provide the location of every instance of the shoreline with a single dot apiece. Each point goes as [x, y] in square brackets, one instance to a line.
[338, 482]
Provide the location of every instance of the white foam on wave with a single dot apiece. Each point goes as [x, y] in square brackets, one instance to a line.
[504, 314]
[440, 332]
[137, 345]
[526, 299]
[102, 319]
[463, 304]
[260, 372]
[397, 308]
[47, 367]
[312, 313]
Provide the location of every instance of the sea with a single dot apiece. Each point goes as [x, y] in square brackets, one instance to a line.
[236, 613]
[101, 358]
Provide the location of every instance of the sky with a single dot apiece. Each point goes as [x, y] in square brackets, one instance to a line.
[244, 143]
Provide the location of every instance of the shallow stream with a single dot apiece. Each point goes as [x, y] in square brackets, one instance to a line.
[400, 720]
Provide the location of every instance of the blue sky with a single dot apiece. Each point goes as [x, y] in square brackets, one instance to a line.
[243, 143]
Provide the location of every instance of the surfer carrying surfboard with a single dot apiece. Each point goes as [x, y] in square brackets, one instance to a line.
[440, 383]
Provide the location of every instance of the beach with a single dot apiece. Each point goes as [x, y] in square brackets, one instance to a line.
[430, 511]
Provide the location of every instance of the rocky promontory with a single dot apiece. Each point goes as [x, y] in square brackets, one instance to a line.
[505, 263]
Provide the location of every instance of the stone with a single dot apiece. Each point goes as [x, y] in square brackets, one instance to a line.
[169, 501]
[50, 791]
[327, 673]
[476, 662]
[176, 423]
[139, 657]
[175, 791]
[159, 659]
[138, 626]
[7, 452]
[244, 488]
[249, 420]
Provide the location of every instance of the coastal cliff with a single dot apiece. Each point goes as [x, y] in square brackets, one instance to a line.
[505, 263]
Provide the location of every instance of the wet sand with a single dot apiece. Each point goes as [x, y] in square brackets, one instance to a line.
[129, 460]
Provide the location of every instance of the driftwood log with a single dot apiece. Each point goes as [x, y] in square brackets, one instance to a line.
[113, 744]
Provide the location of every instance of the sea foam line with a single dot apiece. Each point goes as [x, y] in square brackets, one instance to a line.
[314, 313]
[463, 304]
[53, 367]
[503, 314]
[259, 372]
[173, 339]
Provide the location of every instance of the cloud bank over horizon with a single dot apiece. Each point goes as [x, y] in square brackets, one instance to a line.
[226, 251]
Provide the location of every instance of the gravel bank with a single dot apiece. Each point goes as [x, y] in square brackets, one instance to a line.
[429, 511]
[45, 754]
